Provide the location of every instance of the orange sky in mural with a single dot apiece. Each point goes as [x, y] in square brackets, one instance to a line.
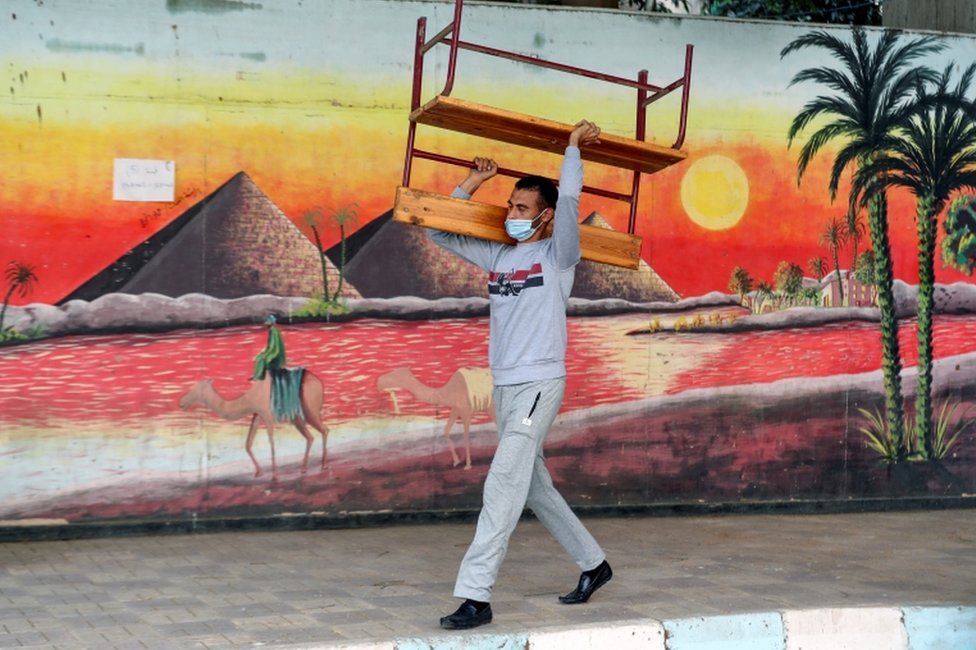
[355, 160]
[779, 222]
[68, 163]
[320, 123]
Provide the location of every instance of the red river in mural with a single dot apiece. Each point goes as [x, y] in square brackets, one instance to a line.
[138, 376]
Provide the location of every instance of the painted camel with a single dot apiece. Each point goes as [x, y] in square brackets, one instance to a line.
[467, 392]
[256, 402]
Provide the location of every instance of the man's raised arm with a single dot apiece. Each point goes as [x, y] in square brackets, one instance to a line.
[566, 229]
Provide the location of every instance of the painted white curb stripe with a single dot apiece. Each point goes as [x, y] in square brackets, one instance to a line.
[867, 628]
[461, 641]
[639, 635]
[845, 629]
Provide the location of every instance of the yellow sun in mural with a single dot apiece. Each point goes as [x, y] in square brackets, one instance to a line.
[715, 192]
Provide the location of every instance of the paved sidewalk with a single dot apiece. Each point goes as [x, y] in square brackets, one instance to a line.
[373, 585]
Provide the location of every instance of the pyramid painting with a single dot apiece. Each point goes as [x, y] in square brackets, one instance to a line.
[234, 243]
[595, 281]
[388, 259]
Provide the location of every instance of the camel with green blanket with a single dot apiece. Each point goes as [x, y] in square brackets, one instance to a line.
[299, 402]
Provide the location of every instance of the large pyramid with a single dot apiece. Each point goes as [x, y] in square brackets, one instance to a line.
[235, 242]
[595, 281]
[388, 259]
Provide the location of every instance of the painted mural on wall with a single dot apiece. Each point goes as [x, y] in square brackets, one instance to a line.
[269, 341]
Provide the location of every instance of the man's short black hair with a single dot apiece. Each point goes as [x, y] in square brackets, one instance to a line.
[545, 187]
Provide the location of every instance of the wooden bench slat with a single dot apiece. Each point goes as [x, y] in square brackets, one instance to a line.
[539, 133]
[485, 221]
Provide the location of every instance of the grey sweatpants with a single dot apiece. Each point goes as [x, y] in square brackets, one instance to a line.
[518, 478]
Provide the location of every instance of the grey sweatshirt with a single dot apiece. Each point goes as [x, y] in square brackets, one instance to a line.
[528, 287]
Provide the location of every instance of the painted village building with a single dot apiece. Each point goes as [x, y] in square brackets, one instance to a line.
[856, 294]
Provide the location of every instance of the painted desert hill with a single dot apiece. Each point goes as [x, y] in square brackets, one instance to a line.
[118, 312]
[123, 312]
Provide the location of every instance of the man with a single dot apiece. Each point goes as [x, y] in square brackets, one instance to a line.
[528, 285]
[273, 355]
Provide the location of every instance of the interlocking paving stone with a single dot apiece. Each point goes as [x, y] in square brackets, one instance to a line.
[235, 590]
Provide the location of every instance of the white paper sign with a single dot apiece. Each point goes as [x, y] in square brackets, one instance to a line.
[144, 180]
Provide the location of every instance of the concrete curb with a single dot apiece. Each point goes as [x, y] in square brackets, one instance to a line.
[882, 628]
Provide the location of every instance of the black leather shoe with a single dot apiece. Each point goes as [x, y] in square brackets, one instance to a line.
[589, 582]
[470, 614]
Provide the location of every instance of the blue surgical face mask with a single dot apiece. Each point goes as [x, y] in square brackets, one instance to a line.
[522, 229]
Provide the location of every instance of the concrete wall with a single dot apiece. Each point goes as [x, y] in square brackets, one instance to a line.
[700, 401]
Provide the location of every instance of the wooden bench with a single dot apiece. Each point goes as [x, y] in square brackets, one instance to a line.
[539, 133]
[471, 118]
[431, 210]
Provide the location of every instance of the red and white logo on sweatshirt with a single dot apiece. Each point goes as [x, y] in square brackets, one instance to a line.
[511, 283]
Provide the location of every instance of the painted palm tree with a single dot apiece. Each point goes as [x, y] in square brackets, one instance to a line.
[834, 236]
[342, 218]
[854, 231]
[817, 266]
[21, 278]
[315, 220]
[871, 93]
[764, 291]
[934, 158]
